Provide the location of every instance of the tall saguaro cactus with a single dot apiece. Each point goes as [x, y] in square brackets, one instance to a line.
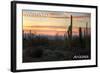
[70, 29]
[70, 32]
[86, 29]
[80, 37]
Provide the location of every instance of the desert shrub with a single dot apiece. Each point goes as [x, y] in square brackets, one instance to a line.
[34, 52]
[50, 55]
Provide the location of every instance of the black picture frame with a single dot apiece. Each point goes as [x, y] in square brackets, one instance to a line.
[13, 35]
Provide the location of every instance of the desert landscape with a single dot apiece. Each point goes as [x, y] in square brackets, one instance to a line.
[56, 36]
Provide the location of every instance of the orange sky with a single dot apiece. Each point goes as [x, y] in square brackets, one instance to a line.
[52, 23]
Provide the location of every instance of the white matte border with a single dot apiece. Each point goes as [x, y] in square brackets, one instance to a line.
[37, 65]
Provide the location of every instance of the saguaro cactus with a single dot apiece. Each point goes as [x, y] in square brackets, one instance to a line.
[70, 33]
[80, 33]
[70, 29]
[80, 36]
[86, 29]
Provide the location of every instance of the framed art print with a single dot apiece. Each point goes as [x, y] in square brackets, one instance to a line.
[47, 36]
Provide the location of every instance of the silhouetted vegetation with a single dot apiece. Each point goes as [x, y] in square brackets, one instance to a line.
[40, 48]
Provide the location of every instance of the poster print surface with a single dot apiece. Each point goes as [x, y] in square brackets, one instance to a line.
[55, 36]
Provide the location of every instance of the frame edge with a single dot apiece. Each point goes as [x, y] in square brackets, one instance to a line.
[13, 36]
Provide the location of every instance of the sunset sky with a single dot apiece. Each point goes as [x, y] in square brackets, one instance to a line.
[52, 23]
